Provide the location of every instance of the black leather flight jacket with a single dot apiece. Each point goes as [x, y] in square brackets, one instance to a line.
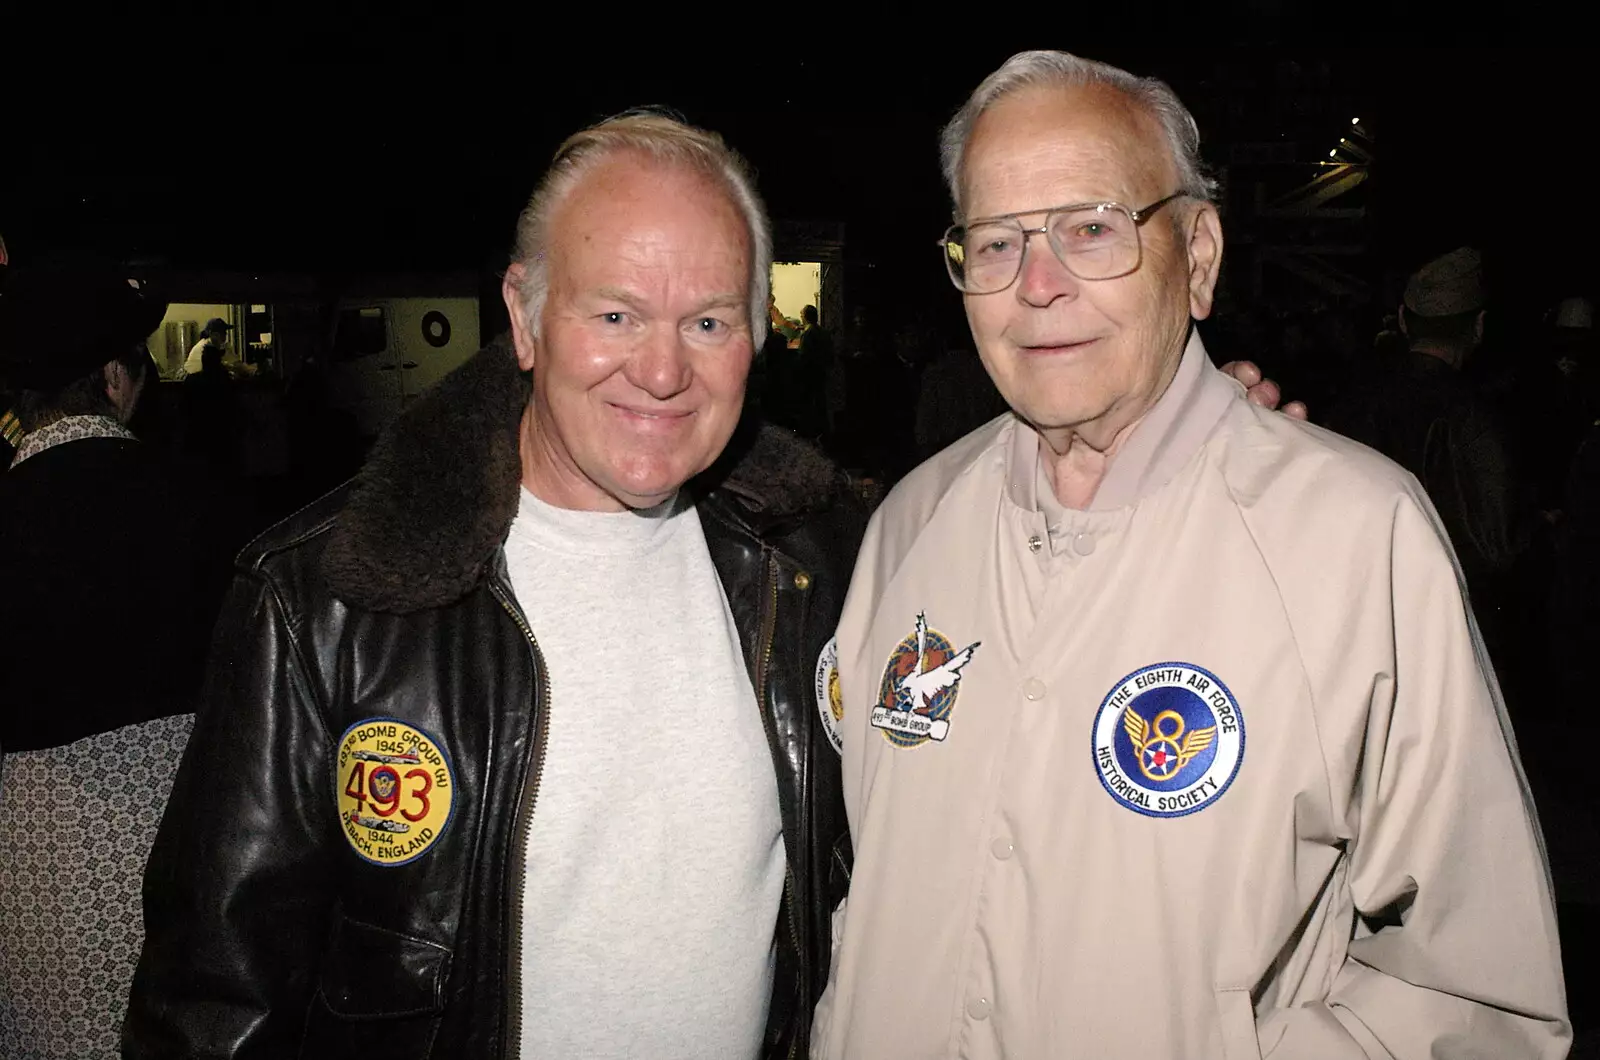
[268, 934]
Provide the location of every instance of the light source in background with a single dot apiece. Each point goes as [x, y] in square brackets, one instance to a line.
[1359, 144]
[1356, 149]
[1361, 155]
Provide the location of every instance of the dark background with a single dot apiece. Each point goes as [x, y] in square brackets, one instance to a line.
[411, 143]
[327, 144]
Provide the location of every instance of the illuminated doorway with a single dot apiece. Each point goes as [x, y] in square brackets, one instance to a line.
[795, 285]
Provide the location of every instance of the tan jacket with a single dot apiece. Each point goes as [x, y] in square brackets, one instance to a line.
[1223, 774]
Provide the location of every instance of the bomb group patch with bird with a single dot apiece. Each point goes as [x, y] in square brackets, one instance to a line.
[919, 687]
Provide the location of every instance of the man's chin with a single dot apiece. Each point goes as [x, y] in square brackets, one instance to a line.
[648, 493]
[1095, 424]
[644, 504]
[644, 478]
[1060, 417]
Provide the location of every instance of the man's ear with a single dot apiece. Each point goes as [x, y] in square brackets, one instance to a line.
[521, 330]
[1204, 250]
[116, 377]
[122, 389]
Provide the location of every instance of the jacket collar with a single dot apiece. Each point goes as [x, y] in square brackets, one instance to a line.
[437, 496]
[1165, 440]
[69, 429]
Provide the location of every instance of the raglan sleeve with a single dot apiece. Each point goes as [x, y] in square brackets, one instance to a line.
[1454, 951]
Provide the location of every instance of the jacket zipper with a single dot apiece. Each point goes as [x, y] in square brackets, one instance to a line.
[769, 627]
[512, 1047]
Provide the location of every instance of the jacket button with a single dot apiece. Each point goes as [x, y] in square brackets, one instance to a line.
[1033, 689]
[1035, 543]
[1002, 849]
[978, 1008]
[802, 580]
[1083, 544]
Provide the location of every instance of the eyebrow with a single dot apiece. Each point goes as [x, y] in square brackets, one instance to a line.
[617, 294]
[725, 301]
[719, 301]
[1043, 209]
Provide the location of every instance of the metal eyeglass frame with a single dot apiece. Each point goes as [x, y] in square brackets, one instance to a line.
[1138, 217]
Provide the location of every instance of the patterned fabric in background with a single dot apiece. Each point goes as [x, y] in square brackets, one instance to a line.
[69, 429]
[76, 826]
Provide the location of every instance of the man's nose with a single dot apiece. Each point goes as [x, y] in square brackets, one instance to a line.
[660, 367]
[1044, 278]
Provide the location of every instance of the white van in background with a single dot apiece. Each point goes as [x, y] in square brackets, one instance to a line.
[385, 352]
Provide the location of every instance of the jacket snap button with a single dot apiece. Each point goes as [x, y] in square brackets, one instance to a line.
[979, 1008]
[802, 580]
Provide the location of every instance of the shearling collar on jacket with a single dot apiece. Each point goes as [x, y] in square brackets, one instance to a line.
[438, 494]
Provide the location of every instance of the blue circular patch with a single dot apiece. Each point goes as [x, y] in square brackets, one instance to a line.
[1168, 740]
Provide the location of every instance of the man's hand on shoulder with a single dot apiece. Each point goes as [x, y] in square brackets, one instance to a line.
[1262, 391]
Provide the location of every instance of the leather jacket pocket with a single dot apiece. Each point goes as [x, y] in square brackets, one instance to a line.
[371, 974]
[1236, 1015]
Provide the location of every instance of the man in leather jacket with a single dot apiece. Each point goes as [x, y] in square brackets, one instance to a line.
[502, 739]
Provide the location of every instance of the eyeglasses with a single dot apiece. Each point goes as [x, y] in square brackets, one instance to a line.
[1095, 241]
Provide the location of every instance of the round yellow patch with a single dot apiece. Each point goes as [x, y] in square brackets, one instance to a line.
[395, 790]
[830, 703]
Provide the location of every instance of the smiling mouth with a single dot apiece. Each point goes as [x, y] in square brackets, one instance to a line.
[1056, 347]
[653, 415]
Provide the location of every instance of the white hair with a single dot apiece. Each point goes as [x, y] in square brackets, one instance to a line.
[1027, 69]
[667, 141]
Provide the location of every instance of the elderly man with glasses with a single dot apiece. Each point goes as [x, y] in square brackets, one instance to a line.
[1167, 731]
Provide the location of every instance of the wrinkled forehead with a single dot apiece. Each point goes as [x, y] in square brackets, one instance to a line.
[626, 179]
[633, 200]
[1049, 145]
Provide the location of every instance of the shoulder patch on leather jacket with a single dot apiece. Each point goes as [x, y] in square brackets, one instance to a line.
[830, 701]
[395, 790]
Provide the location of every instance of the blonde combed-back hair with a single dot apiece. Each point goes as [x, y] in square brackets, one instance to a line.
[666, 140]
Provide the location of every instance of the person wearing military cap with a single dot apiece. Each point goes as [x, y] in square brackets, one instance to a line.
[69, 364]
[102, 655]
[1429, 419]
[1450, 285]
